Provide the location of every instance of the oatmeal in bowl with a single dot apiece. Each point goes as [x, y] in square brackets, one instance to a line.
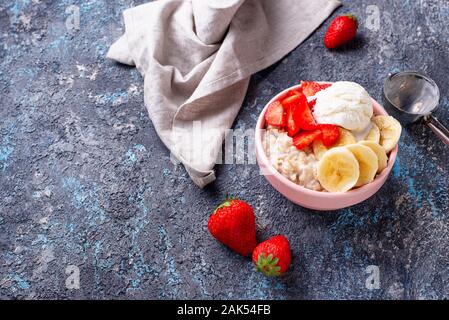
[299, 166]
[326, 146]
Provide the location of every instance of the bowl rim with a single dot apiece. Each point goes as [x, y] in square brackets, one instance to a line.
[262, 157]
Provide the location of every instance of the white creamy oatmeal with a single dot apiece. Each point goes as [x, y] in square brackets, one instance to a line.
[298, 166]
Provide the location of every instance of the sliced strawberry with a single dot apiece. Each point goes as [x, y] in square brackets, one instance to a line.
[305, 139]
[293, 120]
[293, 99]
[291, 105]
[312, 104]
[310, 88]
[293, 92]
[275, 115]
[330, 134]
[306, 120]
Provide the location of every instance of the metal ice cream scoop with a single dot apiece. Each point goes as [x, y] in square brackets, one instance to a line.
[410, 96]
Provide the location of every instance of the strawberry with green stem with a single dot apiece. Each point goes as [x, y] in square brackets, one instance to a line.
[273, 257]
[341, 31]
[233, 223]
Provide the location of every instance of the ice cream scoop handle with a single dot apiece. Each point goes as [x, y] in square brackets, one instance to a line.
[438, 128]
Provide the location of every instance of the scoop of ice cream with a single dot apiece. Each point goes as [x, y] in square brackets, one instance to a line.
[346, 104]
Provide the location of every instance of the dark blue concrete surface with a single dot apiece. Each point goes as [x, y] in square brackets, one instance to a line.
[85, 181]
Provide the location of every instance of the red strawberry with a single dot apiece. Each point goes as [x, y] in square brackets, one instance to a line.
[312, 104]
[310, 88]
[293, 92]
[291, 104]
[273, 257]
[292, 99]
[293, 120]
[305, 138]
[306, 120]
[233, 224]
[342, 30]
[275, 115]
[330, 134]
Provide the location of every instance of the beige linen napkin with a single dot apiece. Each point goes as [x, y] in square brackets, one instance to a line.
[197, 56]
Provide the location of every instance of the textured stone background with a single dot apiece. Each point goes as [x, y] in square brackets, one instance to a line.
[85, 181]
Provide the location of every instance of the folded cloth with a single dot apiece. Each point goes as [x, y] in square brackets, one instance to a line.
[197, 56]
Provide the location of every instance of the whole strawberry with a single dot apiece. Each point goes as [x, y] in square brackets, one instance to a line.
[233, 224]
[273, 257]
[342, 30]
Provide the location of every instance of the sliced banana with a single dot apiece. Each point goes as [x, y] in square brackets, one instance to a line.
[382, 159]
[390, 131]
[373, 134]
[338, 170]
[368, 163]
[346, 137]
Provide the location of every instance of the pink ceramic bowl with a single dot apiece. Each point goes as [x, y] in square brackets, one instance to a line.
[317, 200]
